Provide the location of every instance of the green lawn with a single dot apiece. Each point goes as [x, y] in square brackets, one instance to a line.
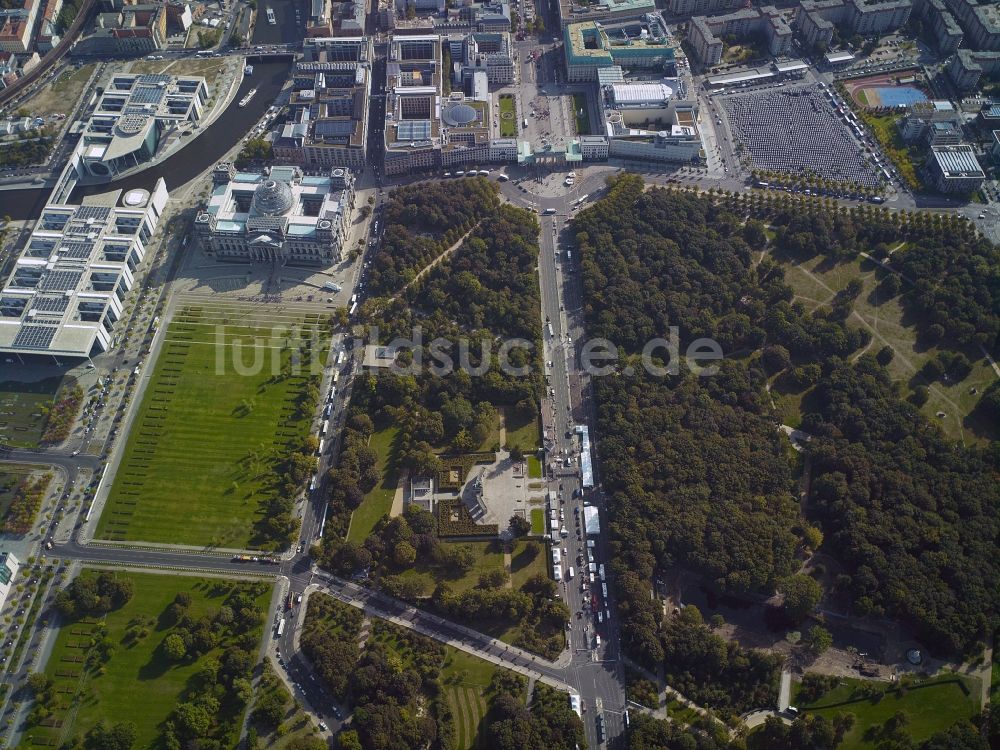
[534, 467]
[523, 434]
[378, 502]
[466, 679]
[508, 116]
[681, 713]
[995, 673]
[488, 556]
[202, 458]
[22, 421]
[137, 683]
[580, 112]
[538, 521]
[929, 707]
[815, 281]
[528, 559]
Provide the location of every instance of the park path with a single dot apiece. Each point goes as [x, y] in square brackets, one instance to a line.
[502, 429]
[434, 263]
[785, 691]
[397, 497]
[506, 566]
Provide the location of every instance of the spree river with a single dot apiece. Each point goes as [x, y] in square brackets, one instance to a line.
[214, 141]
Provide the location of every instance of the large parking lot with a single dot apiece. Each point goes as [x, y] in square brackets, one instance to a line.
[795, 129]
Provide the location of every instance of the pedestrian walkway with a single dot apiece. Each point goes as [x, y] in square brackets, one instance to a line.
[785, 691]
[398, 495]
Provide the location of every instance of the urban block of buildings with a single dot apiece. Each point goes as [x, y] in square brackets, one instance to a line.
[70, 281]
[132, 30]
[421, 17]
[481, 51]
[281, 216]
[943, 26]
[132, 120]
[968, 66]
[638, 44]
[980, 21]
[17, 25]
[327, 18]
[571, 12]
[932, 124]
[413, 130]
[954, 169]
[647, 122]
[329, 105]
[702, 7]
[765, 23]
[14, 66]
[815, 19]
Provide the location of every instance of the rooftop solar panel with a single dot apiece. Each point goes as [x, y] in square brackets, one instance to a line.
[60, 281]
[147, 95]
[50, 304]
[34, 337]
[76, 250]
[92, 212]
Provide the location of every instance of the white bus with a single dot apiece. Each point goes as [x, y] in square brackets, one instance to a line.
[341, 356]
[550, 329]
[281, 627]
[319, 451]
[323, 428]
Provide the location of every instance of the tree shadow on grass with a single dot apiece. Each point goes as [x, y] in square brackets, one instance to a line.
[524, 558]
[157, 666]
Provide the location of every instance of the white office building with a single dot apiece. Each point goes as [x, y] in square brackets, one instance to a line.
[134, 119]
[69, 285]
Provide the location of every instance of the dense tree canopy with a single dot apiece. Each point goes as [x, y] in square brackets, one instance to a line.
[697, 471]
[421, 221]
[913, 517]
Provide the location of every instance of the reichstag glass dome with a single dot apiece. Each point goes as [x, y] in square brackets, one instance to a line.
[460, 114]
[272, 198]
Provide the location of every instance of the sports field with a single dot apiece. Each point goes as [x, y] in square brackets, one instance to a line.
[137, 682]
[223, 409]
